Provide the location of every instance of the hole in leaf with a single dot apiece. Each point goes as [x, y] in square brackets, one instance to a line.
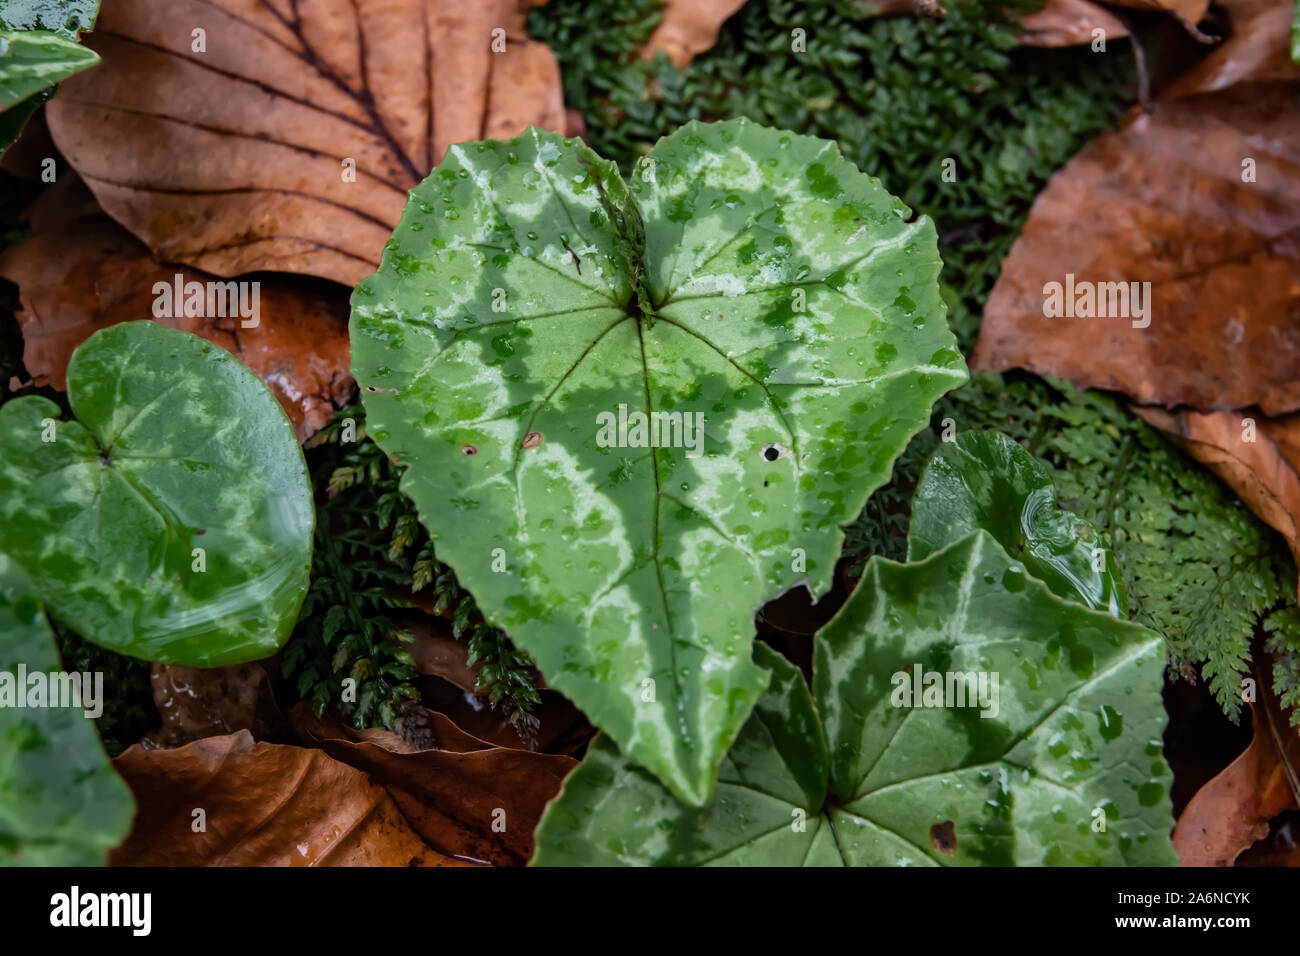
[468, 450]
[944, 837]
[772, 452]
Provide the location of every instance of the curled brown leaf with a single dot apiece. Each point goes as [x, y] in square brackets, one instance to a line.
[1257, 457]
[1257, 50]
[1069, 23]
[482, 804]
[688, 28]
[1232, 811]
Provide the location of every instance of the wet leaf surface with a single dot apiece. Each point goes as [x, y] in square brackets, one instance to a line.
[986, 480]
[261, 125]
[196, 702]
[778, 302]
[175, 447]
[1075, 740]
[35, 61]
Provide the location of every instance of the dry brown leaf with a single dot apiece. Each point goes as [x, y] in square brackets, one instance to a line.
[688, 28]
[232, 160]
[561, 727]
[1265, 472]
[422, 729]
[1232, 811]
[1069, 23]
[81, 275]
[482, 805]
[1258, 49]
[263, 805]
[1162, 200]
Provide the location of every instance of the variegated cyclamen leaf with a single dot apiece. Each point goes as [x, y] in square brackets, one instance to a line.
[532, 313]
[172, 518]
[61, 804]
[983, 479]
[1062, 765]
[1057, 761]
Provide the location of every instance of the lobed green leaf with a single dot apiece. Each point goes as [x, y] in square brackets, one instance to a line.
[1062, 766]
[529, 301]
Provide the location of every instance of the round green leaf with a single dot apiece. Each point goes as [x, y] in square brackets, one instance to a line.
[172, 520]
[529, 307]
[1067, 769]
[984, 479]
[61, 804]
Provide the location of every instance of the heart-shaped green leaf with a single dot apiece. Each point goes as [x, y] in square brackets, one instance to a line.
[983, 479]
[1062, 765]
[530, 309]
[172, 520]
[61, 804]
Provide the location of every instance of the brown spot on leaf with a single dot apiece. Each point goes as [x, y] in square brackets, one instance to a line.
[532, 439]
[943, 836]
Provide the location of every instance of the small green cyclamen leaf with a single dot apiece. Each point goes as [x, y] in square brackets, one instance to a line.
[172, 520]
[1065, 769]
[530, 307]
[31, 62]
[1074, 736]
[984, 479]
[61, 804]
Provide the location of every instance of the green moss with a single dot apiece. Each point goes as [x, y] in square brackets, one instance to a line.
[899, 94]
[371, 553]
